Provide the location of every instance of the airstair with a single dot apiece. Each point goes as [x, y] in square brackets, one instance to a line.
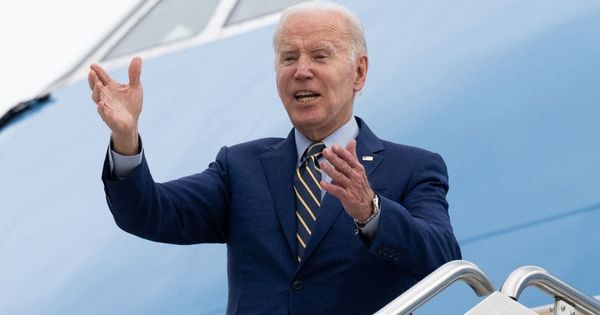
[568, 300]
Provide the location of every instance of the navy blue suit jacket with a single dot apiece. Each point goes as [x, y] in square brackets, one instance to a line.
[245, 199]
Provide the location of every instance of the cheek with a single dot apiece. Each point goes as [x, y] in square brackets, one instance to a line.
[278, 79]
[278, 74]
[280, 86]
[283, 73]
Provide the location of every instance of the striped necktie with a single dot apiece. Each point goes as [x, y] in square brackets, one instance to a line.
[307, 188]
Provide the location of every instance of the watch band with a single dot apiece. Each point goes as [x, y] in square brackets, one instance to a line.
[376, 208]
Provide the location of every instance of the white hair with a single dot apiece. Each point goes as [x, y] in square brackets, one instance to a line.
[357, 42]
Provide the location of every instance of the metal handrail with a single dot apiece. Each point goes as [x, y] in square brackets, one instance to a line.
[436, 282]
[535, 276]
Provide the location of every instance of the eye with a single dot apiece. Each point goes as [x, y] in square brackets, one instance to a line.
[320, 56]
[287, 58]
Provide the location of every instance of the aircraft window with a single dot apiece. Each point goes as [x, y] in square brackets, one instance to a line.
[168, 21]
[249, 9]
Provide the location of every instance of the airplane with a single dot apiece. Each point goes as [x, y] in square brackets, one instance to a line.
[507, 92]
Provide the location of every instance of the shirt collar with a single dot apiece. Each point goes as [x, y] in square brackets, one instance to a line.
[340, 137]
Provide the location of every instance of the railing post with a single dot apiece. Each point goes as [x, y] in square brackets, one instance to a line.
[437, 281]
[526, 276]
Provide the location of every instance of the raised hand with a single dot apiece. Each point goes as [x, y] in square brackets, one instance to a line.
[349, 180]
[119, 105]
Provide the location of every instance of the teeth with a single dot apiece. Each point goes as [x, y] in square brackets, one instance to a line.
[306, 96]
[304, 93]
[307, 99]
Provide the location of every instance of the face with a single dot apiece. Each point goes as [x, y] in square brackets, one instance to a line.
[316, 77]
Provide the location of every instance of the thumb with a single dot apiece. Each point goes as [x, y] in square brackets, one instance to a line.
[135, 71]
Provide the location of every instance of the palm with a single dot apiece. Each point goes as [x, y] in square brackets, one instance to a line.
[125, 104]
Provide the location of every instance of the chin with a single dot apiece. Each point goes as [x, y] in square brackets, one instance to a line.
[306, 121]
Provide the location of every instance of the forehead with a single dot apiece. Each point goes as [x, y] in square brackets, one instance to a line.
[309, 29]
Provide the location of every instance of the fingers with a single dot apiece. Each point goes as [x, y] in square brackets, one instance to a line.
[351, 147]
[353, 190]
[101, 74]
[338, 177]
[343, 167]
[349, 180]
[348, 154]
[92, 79]
[135, 71]
[99, 94]
[98, 73]
[335, 190]
[97, 91]
[344, 160]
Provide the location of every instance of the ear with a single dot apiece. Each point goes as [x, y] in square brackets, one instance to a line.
[362, 67]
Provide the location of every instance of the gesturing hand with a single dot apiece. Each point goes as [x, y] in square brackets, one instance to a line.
[119, 105]
[349, 180]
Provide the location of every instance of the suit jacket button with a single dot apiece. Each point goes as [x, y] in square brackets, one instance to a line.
[297, 285]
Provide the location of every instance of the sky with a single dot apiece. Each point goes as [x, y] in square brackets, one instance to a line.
[43, 39]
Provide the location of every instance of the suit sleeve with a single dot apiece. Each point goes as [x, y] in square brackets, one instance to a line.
[189, 210]
[415, 232]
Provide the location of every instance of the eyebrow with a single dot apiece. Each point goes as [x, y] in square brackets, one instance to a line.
[287, 49]
[321, 47]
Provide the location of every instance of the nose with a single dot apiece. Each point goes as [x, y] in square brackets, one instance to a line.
[303, 69]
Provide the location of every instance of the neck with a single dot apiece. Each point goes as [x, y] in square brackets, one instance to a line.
[320, 134]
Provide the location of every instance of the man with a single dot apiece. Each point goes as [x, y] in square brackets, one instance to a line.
[344, 230]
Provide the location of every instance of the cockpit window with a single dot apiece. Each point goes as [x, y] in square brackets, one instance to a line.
[248, 9]
[168, 21]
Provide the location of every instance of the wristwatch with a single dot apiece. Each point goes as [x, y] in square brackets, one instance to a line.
[376, 208]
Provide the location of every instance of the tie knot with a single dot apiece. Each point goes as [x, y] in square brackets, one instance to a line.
[314, 149]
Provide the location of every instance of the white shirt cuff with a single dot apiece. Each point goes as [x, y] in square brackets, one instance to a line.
[371, 228]
[123, 165]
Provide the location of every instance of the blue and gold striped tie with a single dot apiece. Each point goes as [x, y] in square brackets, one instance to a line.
[307, 188]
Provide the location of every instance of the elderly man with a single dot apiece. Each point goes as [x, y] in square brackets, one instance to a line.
[329, 220]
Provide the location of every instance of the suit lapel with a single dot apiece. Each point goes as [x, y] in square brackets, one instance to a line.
[367, 146]
[279, 166]
[369, 149]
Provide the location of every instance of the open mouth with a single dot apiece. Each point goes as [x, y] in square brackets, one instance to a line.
[306, 96]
